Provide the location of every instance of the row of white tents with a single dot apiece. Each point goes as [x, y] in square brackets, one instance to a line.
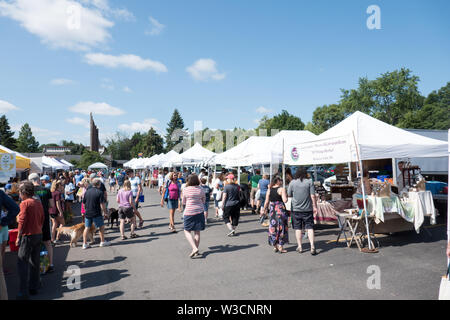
[45, 164]
[359, 137]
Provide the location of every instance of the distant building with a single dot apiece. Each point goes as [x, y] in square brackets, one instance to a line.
[95, 143]
[55, 151]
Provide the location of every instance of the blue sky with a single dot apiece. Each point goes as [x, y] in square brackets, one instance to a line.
[226, 63]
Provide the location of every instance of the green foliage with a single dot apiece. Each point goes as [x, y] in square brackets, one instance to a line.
[26, 141]
[124, 148]
[387, 98]
[6, 135]
[88, 158]
[282, 121]
[176, 122]
[326, 117]
[75, 148]
[433, 115]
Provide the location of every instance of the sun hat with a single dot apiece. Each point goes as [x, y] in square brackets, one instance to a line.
[33, 176]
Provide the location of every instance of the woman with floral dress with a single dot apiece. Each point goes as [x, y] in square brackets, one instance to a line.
[278, 216]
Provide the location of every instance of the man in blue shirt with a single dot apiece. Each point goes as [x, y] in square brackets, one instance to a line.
[6, 218]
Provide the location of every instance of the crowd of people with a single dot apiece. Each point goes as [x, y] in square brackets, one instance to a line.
[40, 206]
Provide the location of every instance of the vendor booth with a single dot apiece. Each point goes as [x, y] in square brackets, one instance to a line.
[98, 165]
[362, 138]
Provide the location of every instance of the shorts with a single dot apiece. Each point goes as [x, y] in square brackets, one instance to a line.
[234, 213]
[206, 206]
[172, 204]
[4, 234]
[262, 197]
[46, 233]
[125, 213]
[253, 193]
[216, 202]
[194, 223]
[302, 220]
[98, 221]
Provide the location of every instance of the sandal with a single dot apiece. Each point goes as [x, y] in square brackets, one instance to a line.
[299, 250]
[134, 235]
[282, 250]
[193, 254]
[275, 249]
[124, 238]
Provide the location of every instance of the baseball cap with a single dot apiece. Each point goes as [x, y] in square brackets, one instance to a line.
[230, 176]
[45, 177]
[8, 186]
[33, 176]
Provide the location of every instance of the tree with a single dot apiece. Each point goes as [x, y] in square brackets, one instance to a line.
[326, 117]
[75, 148]
[433, 115]
[282, 121]
[88, 158]
[154, 143]
[26, 141]
[6, 135]
[387, 98]
[119, 147]
[176, 123]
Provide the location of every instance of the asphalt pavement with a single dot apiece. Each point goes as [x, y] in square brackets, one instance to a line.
[156, 265]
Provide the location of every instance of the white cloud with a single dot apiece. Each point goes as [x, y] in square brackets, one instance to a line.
[140, 126]
[60, 23]
[104, 6]
[61, 82]
[204, 70]
[125, 61]
[6, 107]
[157, 27]
[96, 108]
[127, 90]
[263, 110]
[79, 122]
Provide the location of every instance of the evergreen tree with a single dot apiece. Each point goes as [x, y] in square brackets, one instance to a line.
[176, 123]
[26, 141]
[6, 135]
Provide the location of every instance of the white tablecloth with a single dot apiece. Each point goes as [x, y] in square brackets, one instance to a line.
[422, 204]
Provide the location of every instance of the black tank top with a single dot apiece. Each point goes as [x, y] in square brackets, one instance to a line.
[274, 196]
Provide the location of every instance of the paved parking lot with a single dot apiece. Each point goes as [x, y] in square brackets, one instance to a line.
[156, 265]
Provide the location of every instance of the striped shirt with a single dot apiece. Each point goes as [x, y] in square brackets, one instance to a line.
[194, 200]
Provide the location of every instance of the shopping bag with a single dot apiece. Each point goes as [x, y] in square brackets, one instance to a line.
[141, 198]
[444, 289]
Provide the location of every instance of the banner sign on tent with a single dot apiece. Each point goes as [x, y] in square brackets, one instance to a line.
[7, 166]
[332, 150]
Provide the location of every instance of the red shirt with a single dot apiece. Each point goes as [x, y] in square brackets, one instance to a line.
[31, 217]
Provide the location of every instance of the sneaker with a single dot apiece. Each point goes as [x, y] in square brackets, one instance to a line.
[231, 233]
[105, 244]
[86, 245]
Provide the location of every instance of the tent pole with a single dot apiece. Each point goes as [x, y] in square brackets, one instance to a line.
[363, 192]
[448, 204]
[394, 172]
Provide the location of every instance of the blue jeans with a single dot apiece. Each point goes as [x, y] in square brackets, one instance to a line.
[98, 221]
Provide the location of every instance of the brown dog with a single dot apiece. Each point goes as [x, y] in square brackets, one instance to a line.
[76, 232]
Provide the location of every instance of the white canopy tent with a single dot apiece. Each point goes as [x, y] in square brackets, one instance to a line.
[375, 139]
[196, 154]
[66, 163]
[361, 137]
[169, 159]
[98, 165]
[54, 164]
